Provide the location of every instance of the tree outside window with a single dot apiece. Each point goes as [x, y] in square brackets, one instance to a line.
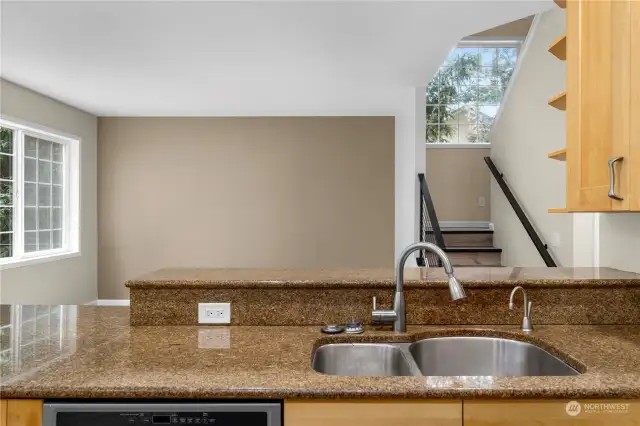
[464, 95]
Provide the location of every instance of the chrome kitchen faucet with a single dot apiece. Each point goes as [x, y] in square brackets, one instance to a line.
[398, 314]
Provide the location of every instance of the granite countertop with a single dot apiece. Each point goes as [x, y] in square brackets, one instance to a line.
[414, 277]
[92, 352]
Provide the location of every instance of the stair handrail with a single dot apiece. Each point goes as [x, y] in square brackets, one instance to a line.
[428, 217]
[526, 223]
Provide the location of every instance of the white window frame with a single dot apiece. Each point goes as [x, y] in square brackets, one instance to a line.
[480, 43]
[71, 194]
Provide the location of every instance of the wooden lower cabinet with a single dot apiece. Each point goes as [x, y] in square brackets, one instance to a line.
[21, 412]
[603, 412]
[552, 413]
[3, 413]
[372, 413]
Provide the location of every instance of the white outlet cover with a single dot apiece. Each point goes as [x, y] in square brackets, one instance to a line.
[223, 318]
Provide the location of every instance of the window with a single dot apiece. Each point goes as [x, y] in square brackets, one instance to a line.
[38, 194]
[464, 96]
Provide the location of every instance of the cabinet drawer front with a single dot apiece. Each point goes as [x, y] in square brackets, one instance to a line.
[372, 413]
[552, 413]
[24, 412]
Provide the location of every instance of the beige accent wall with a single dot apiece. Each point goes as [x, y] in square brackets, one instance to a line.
[243, 192]
[457, 178]
[73, 280]
[526, 131]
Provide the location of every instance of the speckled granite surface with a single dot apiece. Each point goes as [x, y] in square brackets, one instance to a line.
[318, 296]
[317, 306]
[92, 352]
[368, 278]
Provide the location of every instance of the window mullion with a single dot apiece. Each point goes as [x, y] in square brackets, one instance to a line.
[18, 235]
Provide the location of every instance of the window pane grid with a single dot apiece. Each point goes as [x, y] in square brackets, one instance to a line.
[464, 95]
[7, 189]
[43, 162]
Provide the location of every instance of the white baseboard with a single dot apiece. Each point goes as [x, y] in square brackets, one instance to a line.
[471, 224]
[109, 302]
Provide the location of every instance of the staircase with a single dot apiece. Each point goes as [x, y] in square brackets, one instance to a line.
[471, 247]
[464, 246]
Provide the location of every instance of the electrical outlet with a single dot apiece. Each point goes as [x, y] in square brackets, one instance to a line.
[481, 202]
[214, 313]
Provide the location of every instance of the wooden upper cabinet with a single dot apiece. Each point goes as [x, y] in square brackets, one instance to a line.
[603, 73]
[634, 146]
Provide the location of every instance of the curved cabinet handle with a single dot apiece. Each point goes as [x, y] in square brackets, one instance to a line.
[612, 179]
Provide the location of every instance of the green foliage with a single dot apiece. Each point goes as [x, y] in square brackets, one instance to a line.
[6, 194]
[6, 140]
[461, 86]
[5, 251]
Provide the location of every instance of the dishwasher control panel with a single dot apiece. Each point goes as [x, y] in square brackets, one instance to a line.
[168, 414]
[150, 418]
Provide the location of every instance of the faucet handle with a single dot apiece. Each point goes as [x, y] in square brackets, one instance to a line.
[381, 315]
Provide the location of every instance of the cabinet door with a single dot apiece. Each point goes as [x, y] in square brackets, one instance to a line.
[3, 412]
[634, 154]
[372, 413]
[24, 412]
[551, 413]
[598, 103]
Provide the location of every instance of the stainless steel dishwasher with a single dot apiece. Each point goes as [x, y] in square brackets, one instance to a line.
[174, 413]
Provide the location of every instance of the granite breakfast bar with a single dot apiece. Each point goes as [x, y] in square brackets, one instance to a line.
[102, 355]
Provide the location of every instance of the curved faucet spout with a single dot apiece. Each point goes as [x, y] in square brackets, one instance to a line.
[399, 309]
[526, 319]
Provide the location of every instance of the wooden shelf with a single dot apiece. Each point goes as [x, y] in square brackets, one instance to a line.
[560, 155]
[559, 101]
[561, 3]
[563, 210]
[559, 48]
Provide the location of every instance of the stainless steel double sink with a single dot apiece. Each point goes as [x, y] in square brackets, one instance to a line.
[440, 356]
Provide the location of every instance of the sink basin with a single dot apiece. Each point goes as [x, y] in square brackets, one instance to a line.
[485, 356]
[439, 356]
[361, 359]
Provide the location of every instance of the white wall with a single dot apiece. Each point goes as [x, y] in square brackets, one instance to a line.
[620, 241]
[73, 280]
[525, 132]
[409, 161]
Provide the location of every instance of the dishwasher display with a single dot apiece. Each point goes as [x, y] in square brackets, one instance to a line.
[134, 414]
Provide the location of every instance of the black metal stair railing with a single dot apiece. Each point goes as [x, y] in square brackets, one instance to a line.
[429, 226]
[526, 223]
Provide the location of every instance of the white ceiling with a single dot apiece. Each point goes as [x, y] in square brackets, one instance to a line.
[236, 58]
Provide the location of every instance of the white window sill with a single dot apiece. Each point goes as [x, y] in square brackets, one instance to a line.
[51, 256]
[458, 145]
